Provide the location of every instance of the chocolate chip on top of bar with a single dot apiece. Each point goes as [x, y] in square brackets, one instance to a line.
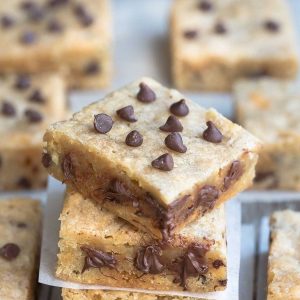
[177, 158]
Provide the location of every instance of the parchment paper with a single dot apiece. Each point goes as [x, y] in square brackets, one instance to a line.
[50, 249]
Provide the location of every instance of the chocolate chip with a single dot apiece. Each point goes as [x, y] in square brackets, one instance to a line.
[96, 258]
[190, 34]
[208, 196]
[147, 260]
[193, 263]
[55, 3]
[233, 174]
[205, 5]
[179, 109]
[174, 142]
[145, 94]
[103, 123]
[37, 96]
[21, 225]
[68, 167]
[7, 21]
[83, 16]
[172, 125]
[212, 133]
[261, 176]
[28, 37]
[33, 116]
[218, 263]
[272, 26]
[54, 26]
[36, 13]
[23, 82]
[127, 113]
[10, 251]
[8, 109]
[134, 139]
[223, 282]
[24, 183]
[92, 68]
[164, 162]
[220, 28]
[46, 160]
[27, 5]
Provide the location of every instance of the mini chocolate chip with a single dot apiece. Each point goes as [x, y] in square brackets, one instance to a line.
[46, 160]
[54, 26]
[272, 26]
[24, 183]
[148, 261]
[103, 123]
[234, 173]
[134, 139]
[37, 96]
[83, 16]
[21, 225]
[68, 167]
[127, 113]
[190, 34]
[220, 28]
[212, 133]
[36, 13]
[207, 196]
[28, 37]
[172, 125]
[10, 251]
[164, 162]
[26, 5]
[7, 21]
[92, 68]
[179, 108]
[8, 109]
[33, 116]
[218, 263]
[23, 82]
[145, 94]
[174, 142]
[205, 5]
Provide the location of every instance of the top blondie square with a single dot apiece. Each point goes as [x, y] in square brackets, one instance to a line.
[157, 159]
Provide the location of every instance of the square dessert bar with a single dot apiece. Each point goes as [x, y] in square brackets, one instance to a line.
[269, 109]
[69, 294]
[20, 224]
[151, 157]
[69, 36]
[284, 256]
[97, 247]
[27, 106]
[215, 42]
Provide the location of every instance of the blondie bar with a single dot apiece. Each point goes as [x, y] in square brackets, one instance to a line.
[215, 42]
[27, 106]
[151, 157]
[68, 36]
[268, 108]
[20, 224]
[69, 294]
[97, 247]
[284, 257]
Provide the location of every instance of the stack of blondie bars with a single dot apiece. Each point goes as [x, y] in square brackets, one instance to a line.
[147, 173]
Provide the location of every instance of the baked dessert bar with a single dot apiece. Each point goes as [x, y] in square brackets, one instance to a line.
[129, 153]
[284, 257]
[151, 157]
[68, 36]
[20, 224]
[215, 42]
[69, 294]
[27, 106]
[97, 247]
[268, 108]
